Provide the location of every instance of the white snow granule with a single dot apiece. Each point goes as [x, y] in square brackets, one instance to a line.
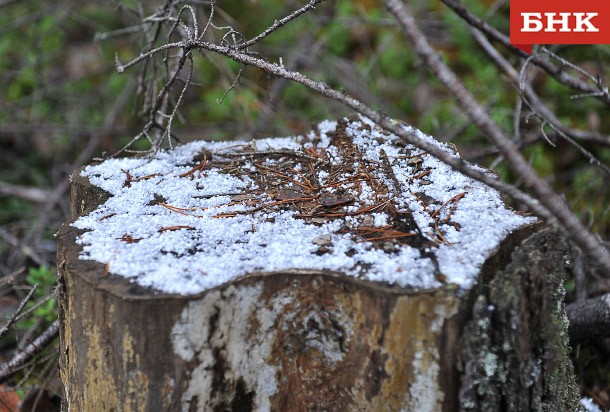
[589, 405]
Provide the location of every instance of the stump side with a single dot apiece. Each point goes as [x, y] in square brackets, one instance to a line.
[515, 347]
[283, 341]
[290, 341]
[111, 347]
[84, 197]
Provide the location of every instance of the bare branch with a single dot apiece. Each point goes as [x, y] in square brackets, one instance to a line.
[15, 315]
[120, 68]
[36, 305]
[20, 359]
[546, 115]
[31, 194]
[279, 23]
[232, 86]
[545, 195]
[209, 21]
[158, 104]
[11, 277]
[100, 37]
[408, 133]
[187, 83]
[557, 72]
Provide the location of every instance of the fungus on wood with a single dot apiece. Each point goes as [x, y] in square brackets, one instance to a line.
[341, 270]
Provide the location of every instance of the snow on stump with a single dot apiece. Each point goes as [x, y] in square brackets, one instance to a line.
[342, 270]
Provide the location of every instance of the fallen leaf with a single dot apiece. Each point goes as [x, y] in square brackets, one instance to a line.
[9, 400]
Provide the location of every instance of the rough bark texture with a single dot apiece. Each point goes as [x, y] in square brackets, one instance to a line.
[515, 346]
[299, 341]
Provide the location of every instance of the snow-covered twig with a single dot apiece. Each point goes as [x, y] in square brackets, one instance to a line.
[542, 191]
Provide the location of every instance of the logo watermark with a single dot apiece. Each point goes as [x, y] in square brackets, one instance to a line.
[559, 22]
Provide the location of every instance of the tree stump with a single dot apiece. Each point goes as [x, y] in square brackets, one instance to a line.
[343, 270]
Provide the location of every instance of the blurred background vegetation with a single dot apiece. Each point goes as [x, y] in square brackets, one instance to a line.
[62, 104]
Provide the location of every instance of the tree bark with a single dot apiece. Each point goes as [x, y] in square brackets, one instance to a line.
[307, 340]
[515, 347]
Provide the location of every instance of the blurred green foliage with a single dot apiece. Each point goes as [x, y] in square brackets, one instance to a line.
[59, 90]
[44, 278]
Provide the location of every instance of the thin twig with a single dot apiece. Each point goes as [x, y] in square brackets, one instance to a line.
[103, 36]
[31, 194]
[279, 23]
[545, 195]
[120, 68]
[36, 305]
[556, 71]
[15, 315]
[29, 352]
[187, 83]
[11, 277]
[539, 108]
[409, 134]
[232, 86]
